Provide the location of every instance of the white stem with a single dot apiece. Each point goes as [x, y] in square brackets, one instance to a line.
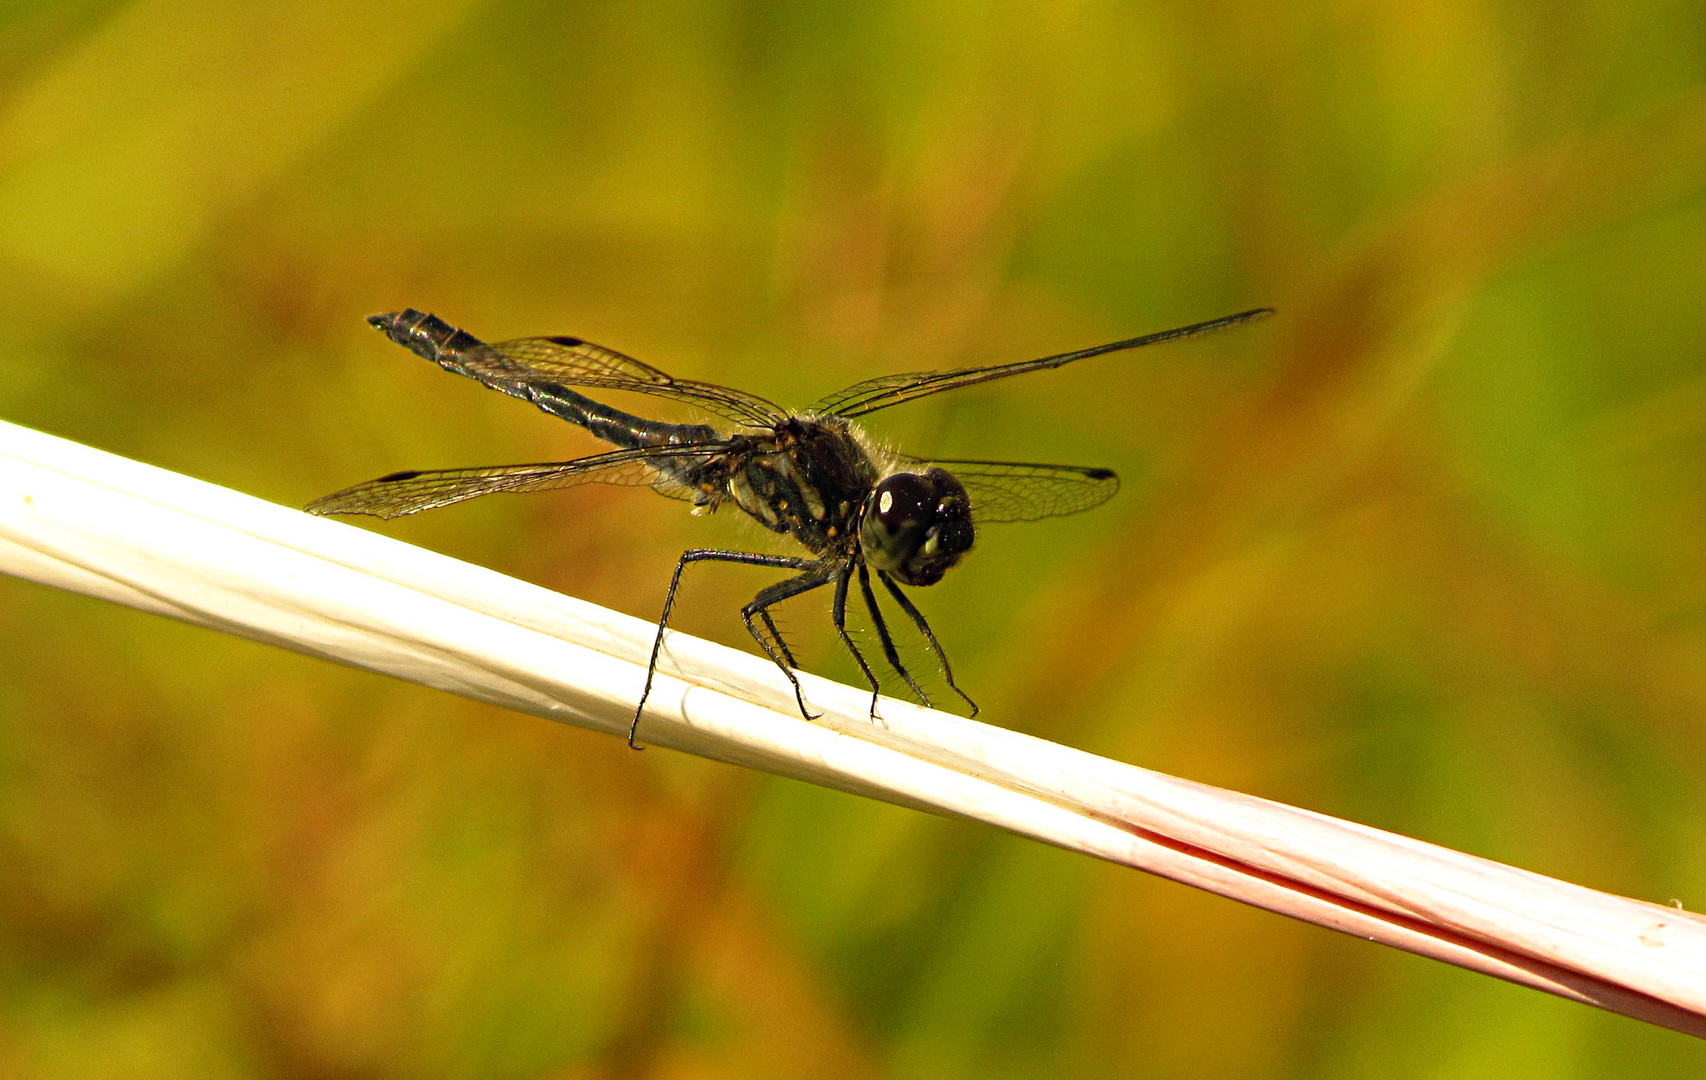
[94, 523]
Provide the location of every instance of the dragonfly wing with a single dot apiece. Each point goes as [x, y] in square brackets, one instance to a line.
[569, 361]
[660, 467]
[1018, 491]
[884, 391]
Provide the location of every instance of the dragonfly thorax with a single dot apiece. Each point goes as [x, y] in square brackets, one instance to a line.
[808, 478]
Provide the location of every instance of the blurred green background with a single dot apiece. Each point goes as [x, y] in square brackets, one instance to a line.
[1426, 551]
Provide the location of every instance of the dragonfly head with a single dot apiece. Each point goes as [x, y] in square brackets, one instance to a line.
[917, 525]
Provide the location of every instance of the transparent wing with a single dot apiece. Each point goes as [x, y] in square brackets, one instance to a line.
[1016, 491]
[411, 492]
[880, 393]
[544, 362]
[569, 361]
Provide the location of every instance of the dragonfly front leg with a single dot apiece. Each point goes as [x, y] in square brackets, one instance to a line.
[917, 618]
[747, 558]
[887, 639]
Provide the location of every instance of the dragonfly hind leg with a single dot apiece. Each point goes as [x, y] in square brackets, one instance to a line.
[775, 633]
[769, 638]
[784, 659]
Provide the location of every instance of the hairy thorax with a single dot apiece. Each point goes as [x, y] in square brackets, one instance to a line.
[808, 479]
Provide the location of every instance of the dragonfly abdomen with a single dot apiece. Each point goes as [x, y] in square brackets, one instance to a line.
[461, 352]
[427, 336]
[613, 425]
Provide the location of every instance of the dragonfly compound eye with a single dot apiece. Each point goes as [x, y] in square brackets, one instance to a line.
[917, 525]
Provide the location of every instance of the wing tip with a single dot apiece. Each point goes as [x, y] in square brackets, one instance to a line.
[329, 507]
[351, 500]
[323, 507]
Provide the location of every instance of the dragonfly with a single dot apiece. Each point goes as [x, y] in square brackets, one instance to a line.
[859, 510]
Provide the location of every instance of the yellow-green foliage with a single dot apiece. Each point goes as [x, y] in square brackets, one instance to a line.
[1428, 550]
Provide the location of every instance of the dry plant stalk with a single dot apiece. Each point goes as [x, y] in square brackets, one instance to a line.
[94, 523]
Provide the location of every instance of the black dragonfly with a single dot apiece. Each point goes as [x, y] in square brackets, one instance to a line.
[813, 475]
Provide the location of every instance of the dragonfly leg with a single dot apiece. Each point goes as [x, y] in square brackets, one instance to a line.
[776, 636]
[838, 614]
[817, 574]
[748, 558]
[889, 651]
[917, 618]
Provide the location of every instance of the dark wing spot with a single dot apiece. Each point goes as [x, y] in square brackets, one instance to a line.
[398, 476]
[571, 342]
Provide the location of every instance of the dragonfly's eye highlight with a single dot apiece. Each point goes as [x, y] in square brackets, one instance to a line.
[917, 525]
